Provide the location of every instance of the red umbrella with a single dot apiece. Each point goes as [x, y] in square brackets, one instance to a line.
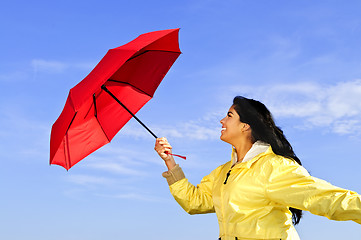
[105, 100]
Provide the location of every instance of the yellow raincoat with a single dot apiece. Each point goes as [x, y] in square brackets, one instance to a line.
[253, 203]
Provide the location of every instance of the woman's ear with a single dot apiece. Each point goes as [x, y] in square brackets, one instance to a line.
[245, 127]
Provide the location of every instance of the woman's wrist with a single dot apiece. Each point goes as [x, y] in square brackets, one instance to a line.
[170, 164]
[174, 175]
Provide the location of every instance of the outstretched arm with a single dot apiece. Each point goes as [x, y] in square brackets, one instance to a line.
[291, 185]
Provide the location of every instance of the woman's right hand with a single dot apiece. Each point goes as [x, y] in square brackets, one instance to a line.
[164, 150]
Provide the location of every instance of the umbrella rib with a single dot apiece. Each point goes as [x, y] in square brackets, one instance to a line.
[112, 80]
[67, 152]
[102, 129]
[95, 106]
[149, 51]
[96, 117]
[72, 120]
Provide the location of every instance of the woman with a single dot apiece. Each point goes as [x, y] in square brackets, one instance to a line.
[261, 192]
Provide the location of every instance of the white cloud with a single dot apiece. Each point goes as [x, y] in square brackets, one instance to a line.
[48, 66]
[337, 107]
[196, 130]
[56, 67]
[25, 137]
[13, 76]
[347, 126]
[114, 167]
[23, 73]
[284, 48]
[135, 196]
[82, 179]
[205, 128]
[84, 65]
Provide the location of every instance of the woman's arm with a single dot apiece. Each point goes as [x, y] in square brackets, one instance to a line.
[291, 185]
[193, 199]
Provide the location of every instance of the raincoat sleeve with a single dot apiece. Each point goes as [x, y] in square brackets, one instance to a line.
[193, 199]
[290, 184]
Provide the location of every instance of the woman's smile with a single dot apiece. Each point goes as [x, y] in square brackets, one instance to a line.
[231, 126]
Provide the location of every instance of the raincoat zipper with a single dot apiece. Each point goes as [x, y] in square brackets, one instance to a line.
[229, 173]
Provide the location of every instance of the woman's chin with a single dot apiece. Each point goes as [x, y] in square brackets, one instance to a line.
[223, 138]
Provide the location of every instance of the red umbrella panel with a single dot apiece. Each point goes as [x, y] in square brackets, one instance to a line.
[127, 75]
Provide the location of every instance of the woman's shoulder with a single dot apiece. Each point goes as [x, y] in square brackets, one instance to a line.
[275, 159]
[275, 164]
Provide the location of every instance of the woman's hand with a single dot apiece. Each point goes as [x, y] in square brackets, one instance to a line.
[164, 150]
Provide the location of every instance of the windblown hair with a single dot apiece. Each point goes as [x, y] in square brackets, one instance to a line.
[264, 129]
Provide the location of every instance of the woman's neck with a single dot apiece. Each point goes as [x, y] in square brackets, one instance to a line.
[242, 150]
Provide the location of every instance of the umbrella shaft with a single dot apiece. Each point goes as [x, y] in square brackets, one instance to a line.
[133, 115]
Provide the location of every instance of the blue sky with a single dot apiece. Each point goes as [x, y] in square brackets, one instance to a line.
[301, 58]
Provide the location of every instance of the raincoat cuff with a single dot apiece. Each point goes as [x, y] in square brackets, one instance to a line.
[173, 175]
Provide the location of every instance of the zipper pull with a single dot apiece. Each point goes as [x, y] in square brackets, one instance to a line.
[229, 173]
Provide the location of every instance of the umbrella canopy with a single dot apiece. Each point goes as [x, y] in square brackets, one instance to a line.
[91, 117]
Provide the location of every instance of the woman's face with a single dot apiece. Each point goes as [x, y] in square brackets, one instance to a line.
[232, 127]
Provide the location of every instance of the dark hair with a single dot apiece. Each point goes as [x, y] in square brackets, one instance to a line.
[264, 129]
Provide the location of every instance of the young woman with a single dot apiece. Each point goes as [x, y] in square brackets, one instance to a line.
[261, 192]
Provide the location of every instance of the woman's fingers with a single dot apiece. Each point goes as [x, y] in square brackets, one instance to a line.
[162, 143]
[163, 148]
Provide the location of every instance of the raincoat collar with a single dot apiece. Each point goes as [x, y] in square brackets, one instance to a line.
[259, 148]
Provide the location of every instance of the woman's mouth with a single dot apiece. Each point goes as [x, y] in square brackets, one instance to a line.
[223, 129]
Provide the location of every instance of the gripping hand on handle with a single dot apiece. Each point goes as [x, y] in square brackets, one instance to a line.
[164, 150]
